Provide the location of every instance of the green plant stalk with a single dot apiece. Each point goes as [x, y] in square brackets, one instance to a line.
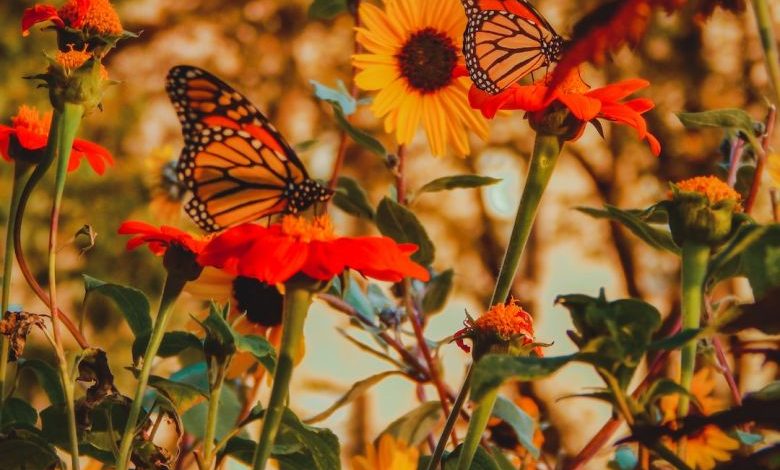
[451, 420]
[545, 155]
[68, 122]
[477, 425]
[21, 170]
[768, 43]
[694, 270]
[296, 305]
[171, 290]
[211, 421]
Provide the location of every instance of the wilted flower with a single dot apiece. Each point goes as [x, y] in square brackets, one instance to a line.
[505, 327]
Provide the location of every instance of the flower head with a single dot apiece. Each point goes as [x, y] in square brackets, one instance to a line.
[94, 16]
[414, 60]
[715, 189]
[389, 454]
[275, 254]
[702, 209]
[504, 327]
[26, 138]
[580, 103]
[179, 249]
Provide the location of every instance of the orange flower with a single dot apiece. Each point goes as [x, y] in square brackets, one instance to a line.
[97, 16]
[159, 240]
[275, 254]
[502, 323]
[388, 454]
[26, 140]
[584, 104]
[714, 188]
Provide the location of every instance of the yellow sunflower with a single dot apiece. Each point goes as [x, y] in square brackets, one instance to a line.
[389, 454]
[415, 61]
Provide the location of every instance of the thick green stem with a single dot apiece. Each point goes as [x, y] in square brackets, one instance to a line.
[768, 43]
[68, 122]
[451, 420]
[21, 169]
[477, 425]
[211, 421]
[694, 269]
[546, 151]
[296, 305]
[171, 291]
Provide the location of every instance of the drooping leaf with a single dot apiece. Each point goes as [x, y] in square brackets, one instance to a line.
[18, 411]
[357, 389]
[414, 426]
[653, 236]
[437, 291]
[522, 424]
[457, 181]
[400, 224]
[132, 303]
[339, 96]
[173, 343]
[730, 118]
[494, 369]
[352, 199]
[326, 9]
[47, 378]
[15, 326]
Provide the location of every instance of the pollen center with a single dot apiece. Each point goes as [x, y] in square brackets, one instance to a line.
[715, 189]
[506, 321]
[319, 229]
[427, 60]
[261, 302]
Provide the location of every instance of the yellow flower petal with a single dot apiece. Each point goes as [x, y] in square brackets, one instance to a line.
[388, 98]
[379, 25]
[408, 118]
[433, 121]
[376, 77]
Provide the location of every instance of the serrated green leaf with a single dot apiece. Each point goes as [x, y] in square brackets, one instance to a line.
[47, 378]
[727, 118]
[414, 426]
[521, 423]
[494, 369]
[17, 411]
[656, 238]
[326, 9]
[457, 181]
[437, 291]
[132, 303]
[173, 343]
[352, 199]
[399, 223]
[357, 389]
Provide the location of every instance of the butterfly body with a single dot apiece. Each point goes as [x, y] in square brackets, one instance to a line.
[506, 40]
[235, 164]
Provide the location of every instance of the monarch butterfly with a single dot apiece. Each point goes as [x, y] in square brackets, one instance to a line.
[506, 40]
[234, 162]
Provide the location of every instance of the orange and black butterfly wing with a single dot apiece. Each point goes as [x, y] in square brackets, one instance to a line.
[506, 40]
[239, 175]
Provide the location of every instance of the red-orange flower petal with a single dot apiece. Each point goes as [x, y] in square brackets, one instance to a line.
[159, 239]
[98, 157]
[40, 14]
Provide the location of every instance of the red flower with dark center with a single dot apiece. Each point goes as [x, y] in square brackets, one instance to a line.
[26, 140]
[160, 239]
[275, 254]
[585, 104]
[97, 16]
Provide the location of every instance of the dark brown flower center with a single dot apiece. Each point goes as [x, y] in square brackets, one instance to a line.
[427, 60]
[261, 302]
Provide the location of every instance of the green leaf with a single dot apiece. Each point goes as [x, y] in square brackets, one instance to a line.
[494, 369]
[414, 426]
[727, 118]
[662, 387]
[18, 411]
[352, 199]
[260, 348]
[47, 378]
[482, 460]
[656, 238]
[337, 96]
[521, 423]
[173, 343]
[399, 223]
[223, 340]
[229, 409]
[675, 341]
[183, 396]
[326, 9]
[747, 235]
[457, 181]
[319, 448]
[437, 291]
[357, 389]
[501, 459]
[131, 302]
[761, 262]
[28, 454]
[361, 137]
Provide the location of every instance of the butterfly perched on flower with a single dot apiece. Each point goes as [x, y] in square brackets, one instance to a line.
[236, 165]
[505, 40]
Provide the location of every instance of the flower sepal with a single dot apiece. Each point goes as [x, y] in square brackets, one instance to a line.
[698, 214]
[304, 282]
[557, 120]
[75, 77]
[181, 263]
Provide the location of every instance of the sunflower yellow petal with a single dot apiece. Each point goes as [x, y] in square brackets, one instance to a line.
[391, 121]
[377, 22]
[408, 117]
[374, 59]
[411, 12]
[373, 44]
[376, 77]
[433, 121]
[457, 99]
[388, 98]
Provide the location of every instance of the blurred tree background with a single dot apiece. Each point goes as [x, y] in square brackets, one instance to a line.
[270, 50]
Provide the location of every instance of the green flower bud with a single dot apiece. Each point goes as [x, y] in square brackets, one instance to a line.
[702, 210]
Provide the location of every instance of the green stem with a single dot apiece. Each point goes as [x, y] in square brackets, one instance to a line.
[171, 290]
[296, 305]
[451, 420]
[211, 422]
[546, 151]
[21, 169]
[768, 43]
[477, 425]
[694, 270]
[68, 122]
